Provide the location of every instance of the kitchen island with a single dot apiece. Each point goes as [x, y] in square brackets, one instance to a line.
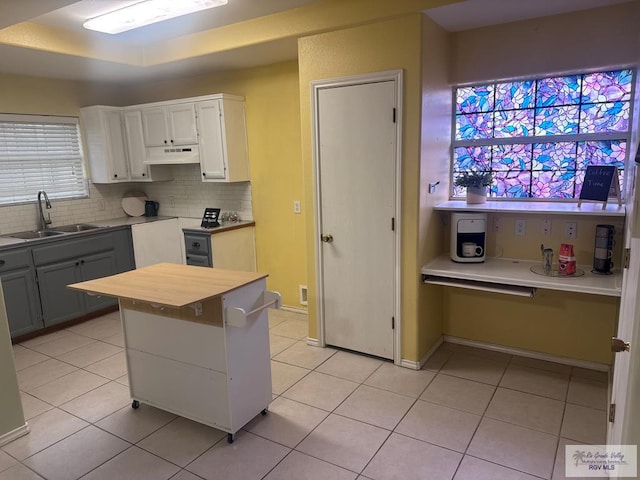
[196, 340]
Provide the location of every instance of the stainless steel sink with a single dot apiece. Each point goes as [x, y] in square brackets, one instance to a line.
[80, 227]
[29, 235]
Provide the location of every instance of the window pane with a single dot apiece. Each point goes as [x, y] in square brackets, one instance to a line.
[559, 91]
[554, 156]
[605, 117]
[514, 95]
[558, 184]
[472, 159]
[474, 125]
[474, 99]
[557, 120]
[525, 129]
[511, 157]
[40, 156]
[514, 123]
[607, 86]
[511, 184]
[607, 152]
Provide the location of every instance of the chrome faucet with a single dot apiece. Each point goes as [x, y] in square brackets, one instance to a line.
[44, 222]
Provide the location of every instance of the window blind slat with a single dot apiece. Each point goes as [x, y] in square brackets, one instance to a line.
[37, 156]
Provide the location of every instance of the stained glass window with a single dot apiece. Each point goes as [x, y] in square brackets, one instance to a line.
[538, 136]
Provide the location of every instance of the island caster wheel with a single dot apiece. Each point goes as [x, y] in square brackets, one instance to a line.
[264, 411]
[229, 437]
[135, 404]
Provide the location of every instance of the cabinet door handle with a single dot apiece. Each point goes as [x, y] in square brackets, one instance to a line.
[165, 142]
[195, 244]
[82, 262]
[2, 262]
[77, 263]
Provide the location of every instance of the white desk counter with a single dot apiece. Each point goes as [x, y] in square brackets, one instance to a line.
[512, 276]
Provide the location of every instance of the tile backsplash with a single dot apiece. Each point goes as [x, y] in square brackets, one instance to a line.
[185, 196]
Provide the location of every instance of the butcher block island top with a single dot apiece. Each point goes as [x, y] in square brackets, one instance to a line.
[169, 284]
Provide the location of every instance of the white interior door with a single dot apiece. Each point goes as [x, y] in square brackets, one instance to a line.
[356, 148]
[625, 394]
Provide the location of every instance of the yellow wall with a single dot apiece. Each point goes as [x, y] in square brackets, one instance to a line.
[11, 414]
[394, 44]
[47, 96]
[588, 39]
[569, 325]
[434, 167]
[273, 126]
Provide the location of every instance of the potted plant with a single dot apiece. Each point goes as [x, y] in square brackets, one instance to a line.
[476, 184]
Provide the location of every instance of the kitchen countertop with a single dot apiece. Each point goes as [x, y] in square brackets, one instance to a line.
[221, 228]
[6, 241]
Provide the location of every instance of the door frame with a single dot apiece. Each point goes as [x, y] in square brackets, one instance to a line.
[316, 87]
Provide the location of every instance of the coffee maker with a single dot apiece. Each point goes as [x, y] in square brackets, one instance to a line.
[468, 237]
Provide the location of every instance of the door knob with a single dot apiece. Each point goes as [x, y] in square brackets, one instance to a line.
[326, 238]
[618, 345]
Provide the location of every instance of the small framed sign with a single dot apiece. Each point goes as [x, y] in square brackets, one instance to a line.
[600, 183]
[210, 218]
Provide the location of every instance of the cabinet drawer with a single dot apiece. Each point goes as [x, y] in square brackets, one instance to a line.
[199, 260]
[192, 392]
[16, 259]
[184, 341]
[58, 251]
[197, 244]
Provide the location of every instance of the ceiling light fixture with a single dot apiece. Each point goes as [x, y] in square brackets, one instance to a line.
[146, 13]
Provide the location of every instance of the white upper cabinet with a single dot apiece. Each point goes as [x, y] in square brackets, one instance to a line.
[138, 171]
[134, 143]
[223, 140]
[170, 125]
[105, 144]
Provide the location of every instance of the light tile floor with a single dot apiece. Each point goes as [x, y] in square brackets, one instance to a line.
[470, 414]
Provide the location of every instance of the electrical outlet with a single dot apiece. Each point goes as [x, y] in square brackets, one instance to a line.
[172, 201]
[571, 230]
[546, 228]
[521, 227]
[496, 224]
[296, 206]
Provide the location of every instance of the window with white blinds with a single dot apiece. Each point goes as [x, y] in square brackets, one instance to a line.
[40, 153]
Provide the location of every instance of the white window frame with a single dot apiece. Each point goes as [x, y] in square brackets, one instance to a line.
[580, 137]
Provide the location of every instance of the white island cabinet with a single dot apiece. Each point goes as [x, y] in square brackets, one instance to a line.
[196, 340]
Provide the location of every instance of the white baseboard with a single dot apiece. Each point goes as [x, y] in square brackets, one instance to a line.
[294, 309]
[314, 342]
[601, 367]
[13, 434]
[419, 364]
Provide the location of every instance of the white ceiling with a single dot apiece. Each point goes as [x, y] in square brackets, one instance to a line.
[70, 14]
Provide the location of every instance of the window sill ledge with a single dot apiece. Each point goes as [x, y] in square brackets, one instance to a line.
[547, 208]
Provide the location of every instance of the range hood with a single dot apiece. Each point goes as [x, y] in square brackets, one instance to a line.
[172, 155]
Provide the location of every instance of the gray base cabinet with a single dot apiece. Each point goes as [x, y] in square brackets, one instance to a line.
[60, 304]
[21, 301]
[60, 265]
[35, 278]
